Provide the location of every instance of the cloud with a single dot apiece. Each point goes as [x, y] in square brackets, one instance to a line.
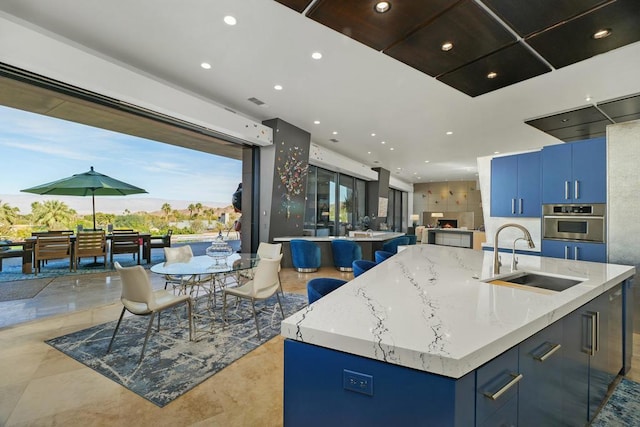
[50, 149]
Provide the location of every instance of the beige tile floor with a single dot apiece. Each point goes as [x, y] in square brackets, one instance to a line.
[40, 386]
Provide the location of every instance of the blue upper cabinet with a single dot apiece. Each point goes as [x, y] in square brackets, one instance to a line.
[515, 185]
[575, 172]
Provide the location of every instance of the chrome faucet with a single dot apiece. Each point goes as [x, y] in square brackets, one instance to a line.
[496, 258]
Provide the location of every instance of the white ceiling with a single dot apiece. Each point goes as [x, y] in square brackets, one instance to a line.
[353, 89]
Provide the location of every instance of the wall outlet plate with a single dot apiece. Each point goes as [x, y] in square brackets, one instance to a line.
[358, 382]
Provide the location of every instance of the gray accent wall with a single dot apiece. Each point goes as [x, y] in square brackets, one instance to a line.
[623, 199]
[289, 167]
[376, 192]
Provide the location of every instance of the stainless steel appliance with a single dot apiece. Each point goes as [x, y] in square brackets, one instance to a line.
[574, 222]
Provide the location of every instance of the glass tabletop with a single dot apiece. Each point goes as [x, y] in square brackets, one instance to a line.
[204, 264]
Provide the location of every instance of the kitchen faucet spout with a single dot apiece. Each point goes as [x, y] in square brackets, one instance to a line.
[526, 236]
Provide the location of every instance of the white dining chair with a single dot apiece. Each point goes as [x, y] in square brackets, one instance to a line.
[264, 284]
[139, 298]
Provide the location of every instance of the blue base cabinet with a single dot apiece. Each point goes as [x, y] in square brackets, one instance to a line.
[593, 354]
[541, 390]
[596, 252]
[324, 387]
[575, 172]
[515, 186]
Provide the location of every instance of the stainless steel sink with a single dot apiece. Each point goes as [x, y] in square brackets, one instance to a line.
[537, 280]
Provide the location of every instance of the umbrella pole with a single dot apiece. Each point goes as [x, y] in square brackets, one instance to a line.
[93, 202]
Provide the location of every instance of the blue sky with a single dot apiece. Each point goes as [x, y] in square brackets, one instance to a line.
[36, 149]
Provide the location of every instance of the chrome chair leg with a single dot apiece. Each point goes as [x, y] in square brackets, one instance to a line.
[146, 338]
[280, 304]
[255, 316]
[116, 329]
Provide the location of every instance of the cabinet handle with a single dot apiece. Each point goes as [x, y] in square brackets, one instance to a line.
[514, 380]
[594, 317]
[576, 189]
[520, 205]
[553, 349]
[566, 190]
[513, 206]
[566, 252]
[576, 254]
[597, 328]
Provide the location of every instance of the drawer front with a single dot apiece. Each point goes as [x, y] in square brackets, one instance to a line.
[496, 384]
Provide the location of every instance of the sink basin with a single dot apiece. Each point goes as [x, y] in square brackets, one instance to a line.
[538, 280]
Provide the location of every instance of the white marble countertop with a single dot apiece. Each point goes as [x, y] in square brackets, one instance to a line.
[376, 237]
[427, 308]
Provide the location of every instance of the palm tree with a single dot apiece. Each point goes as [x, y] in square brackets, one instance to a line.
[191, 208]
[166, 208]
[8, 214]
[198, 208]
[52, 213]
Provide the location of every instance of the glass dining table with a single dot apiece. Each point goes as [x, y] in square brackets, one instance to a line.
[202, 277]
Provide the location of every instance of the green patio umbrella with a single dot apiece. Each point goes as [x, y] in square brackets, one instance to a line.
[84, 184]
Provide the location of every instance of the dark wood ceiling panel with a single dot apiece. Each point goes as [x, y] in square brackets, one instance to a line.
[297, 5]
[583, 131]
[572, 42]
[512, 64]
[622, 110]
[360, 21]
[471, 30]
[568, 119]
[530, 16]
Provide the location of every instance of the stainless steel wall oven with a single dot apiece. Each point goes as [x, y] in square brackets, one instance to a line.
[575, 222]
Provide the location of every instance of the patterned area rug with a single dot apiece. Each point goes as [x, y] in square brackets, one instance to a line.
[623, 407]
[172, 364]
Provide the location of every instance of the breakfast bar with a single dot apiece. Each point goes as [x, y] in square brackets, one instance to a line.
[369, 242]
[425, 338]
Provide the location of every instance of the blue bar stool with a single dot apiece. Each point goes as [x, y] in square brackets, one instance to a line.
[305, 255]
[344, 253]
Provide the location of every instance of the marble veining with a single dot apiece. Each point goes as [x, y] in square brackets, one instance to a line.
[429, 308]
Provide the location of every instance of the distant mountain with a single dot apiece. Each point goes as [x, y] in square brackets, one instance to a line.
[105, 204]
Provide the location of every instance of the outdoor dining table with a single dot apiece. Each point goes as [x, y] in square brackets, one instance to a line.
[203, 273]
[29, 244]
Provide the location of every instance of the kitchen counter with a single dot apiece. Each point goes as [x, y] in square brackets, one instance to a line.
[427, 308]
[369, 246]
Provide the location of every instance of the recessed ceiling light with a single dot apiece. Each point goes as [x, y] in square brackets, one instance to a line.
[230, 20]
[316, 55]
[418, 177]
[449, 133]
[206, 65]
[446, 46]
[496, 152]
[277, 87]
[587, 98]
[601, 34]
[382, 6]
[383, 142]
[373, 134]
[492, 75]
[368, 152]
[391, 148]
[335, 132]
[399, 169]
[426, 161]
[316, 122]
[564, 120]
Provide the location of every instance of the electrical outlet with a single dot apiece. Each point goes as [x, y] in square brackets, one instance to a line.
[358, 382]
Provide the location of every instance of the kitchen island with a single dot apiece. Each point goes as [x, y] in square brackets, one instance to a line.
[422, 336]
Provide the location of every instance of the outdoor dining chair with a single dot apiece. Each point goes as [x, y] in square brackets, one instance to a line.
[126, 243]
[140, 299]
[90, 244]
[265, 283]
[52, 247]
